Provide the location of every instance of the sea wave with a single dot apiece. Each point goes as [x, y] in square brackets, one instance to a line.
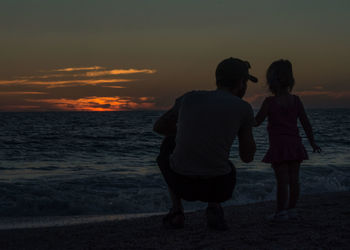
[76, 163]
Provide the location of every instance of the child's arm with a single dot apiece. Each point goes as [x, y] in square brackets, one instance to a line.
[307, 128]
[261, 115]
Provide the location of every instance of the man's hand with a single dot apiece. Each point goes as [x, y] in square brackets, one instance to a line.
[166, 124]
[262, 114]
[247, 145]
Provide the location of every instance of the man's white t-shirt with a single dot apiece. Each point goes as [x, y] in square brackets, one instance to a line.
[208, 122]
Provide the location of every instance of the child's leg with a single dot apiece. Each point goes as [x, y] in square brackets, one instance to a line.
[281, 173]
[293, 170]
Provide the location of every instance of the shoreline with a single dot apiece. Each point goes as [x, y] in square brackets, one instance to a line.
[324, 223]
[7, 223]
[37, 221]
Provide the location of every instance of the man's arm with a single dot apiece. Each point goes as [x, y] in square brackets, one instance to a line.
[166, 124]
[246, 141]
[261, 115]
[247, 145]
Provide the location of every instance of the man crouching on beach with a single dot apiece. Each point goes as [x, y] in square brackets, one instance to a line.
[199, 131]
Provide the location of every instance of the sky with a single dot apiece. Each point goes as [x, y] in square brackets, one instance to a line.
[102, 55]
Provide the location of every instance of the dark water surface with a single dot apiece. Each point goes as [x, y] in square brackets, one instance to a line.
[67, 163]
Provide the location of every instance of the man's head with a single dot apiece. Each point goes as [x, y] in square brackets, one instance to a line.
[233, 73]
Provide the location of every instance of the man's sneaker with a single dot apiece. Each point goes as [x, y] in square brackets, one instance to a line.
[279, 216]
[292, 214]
[215, 218]
[174, 220]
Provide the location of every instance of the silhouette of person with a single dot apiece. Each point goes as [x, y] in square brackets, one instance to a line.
[286, 150]
[199, 131]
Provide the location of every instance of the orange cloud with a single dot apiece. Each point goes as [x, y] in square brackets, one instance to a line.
[318, 87]
[146, 98]
[119, 72]
[65, 83]
[94, 103]
[20, 108]
[93, 72]
[21, 93]
[43, 76]
[57, 84]
[115, 87]
[70, 79]
[10, 82]
[79, 69]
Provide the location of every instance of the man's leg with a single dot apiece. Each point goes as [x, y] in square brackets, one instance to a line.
[224, 187]
[166, 149]
[175, 218]
[215, 217]
[176, 202]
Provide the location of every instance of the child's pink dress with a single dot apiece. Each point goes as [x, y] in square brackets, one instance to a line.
[285, 142]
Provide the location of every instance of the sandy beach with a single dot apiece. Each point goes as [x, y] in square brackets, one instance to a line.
[324, 223]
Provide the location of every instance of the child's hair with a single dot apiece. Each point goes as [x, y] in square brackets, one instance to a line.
[279, 76]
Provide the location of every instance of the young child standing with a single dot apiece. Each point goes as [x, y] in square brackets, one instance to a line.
[286, 150]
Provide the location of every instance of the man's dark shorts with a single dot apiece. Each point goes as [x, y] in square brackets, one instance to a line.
[215, 189]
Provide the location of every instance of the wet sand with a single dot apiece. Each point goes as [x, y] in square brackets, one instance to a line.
[324, 223]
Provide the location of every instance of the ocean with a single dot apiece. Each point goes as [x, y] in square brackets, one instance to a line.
[100, 163]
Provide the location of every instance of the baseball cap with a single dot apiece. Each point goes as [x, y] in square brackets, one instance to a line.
[232, 69]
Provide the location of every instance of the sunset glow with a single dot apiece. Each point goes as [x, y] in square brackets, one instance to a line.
[94, 103]
[91, 78]
[256, 99]
[331, 94]
[164, 49]
[89, 103]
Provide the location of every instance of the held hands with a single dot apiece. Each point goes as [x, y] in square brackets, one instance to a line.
[316, 149]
